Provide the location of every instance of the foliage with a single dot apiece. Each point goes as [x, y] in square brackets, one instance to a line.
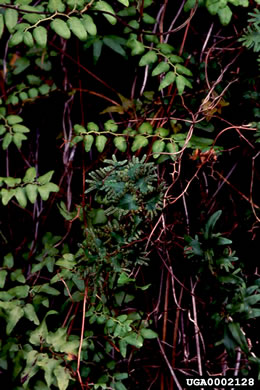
[236, 302]
[100, 274]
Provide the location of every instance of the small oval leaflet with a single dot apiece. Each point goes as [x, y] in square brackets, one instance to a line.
[168, 79]
[16, 39]
[183, 70]
[89, 24]
[139, 142]
[40, 36]
[61, 28]
[77, 28]
[136, 47]
[120, 143]
[21, 197]
[104, 6]
[148, 58]
[161, 68]
[100, 143]
[158, 147]
[1, 24]
[88, 142]
[11, 19]
[28, 39]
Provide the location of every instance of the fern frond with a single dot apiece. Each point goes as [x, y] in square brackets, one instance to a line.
[251, 39]
[255, 17]
[251, 36]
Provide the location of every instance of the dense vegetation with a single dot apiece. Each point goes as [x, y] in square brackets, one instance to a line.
[129, 166]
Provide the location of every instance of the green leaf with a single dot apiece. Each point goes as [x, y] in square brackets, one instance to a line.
[19, 291]
[189, 5]
[44, 89]
[180, 83]
[238, 335]
[17, 128]
[100, 143]
[46, 178]
[56, 5]
[3, 274]
[120, 143]
[165, 48]
[122, 347]
[2, 129]
[13, 119]
[175, 59]
[89, 24]
[110, 42]
[110, 125]
[48, 365]
[28, 39]
[40, 36]
[161, 68]
[67, 261]
[21, 197]
[39, 335]
[145, 128]
[16, 38]
[11, 181]
[88, 142]
[157, 148]
[20, 65]
[97, 48]
[23, 96]
[77, 28]
[45, 288]
[136, 46]
[43, 64]
[7, 140]
[33, 93]
[124, 2]
[62, 376]
[225, 15]
[31, 192]
[8, 260]
[18, 276]
[11, 19]
[119, 376]
[148, 334]
[31, 368]
[18, 138]
[104, 6]
[134, 339]
[148, 58]
[99, 217]
[130, 11]
[183, 70]
[148, 19]
[14, 316]
[61, 28]
[45, 189]
[252, 300]
[139, 142]
[30, 313]
[124, 279]
[31, 17]
[1, 25]
[168, 79]
[211, 224]
[91, 126]
[213, 6]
